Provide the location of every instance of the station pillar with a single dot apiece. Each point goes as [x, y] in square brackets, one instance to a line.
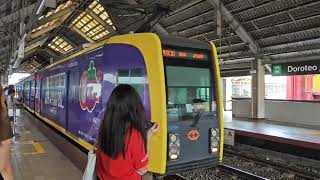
[3, 79]
[258, 90]
[224, 88]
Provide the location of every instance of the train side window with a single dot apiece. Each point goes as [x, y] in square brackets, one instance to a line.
[134, 77]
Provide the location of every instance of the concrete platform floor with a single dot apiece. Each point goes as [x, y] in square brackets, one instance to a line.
[273, 129]
[34, 157]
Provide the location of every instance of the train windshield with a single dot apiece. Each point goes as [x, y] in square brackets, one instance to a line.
[189, 93]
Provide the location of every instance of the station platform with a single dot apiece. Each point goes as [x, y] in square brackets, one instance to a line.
[34, 157]
[306, 137]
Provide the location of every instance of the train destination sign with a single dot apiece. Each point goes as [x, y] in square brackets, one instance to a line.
[184, 54]
[296, 68]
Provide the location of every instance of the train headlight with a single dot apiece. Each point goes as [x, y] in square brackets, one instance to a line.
[173, 138]
[174, 146]
[214, 140]
[214, 132]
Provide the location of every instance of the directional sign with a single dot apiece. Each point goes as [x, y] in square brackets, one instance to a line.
[296, 68]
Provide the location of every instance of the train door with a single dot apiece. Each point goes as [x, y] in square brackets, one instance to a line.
[67, 99]
[53, 103]
[38, 94]
[42, 94]
[27, 93]
[72, 100]
[32, 93]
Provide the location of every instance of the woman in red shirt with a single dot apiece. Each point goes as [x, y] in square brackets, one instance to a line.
[5, 139]
[123, 142]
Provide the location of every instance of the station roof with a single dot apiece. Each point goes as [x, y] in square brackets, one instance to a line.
[242, 30]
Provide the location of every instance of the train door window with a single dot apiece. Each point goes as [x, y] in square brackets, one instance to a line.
[32, 88]
[54, 90]
[27, 89]
[133, 77]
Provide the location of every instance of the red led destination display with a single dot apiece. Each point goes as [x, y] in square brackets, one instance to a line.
[184, 54]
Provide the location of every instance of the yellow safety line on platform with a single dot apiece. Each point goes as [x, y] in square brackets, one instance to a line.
[80, 141]
[37, 147]
[25, 133]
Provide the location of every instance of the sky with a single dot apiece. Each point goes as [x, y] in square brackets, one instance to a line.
[16, 77]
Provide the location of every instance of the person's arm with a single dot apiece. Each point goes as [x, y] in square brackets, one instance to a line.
[3, 107]
[151, 132]
[15, 102]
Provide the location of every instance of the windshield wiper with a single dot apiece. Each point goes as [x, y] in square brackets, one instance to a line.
[196, 119]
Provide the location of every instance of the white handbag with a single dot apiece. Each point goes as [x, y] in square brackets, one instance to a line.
[90, 172]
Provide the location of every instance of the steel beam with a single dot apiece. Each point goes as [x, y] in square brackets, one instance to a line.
[158, 28]
[191, 19]
[300, 59]
[233, 23]
[238, 61]
[49, 28]
[18, 14]
[39, 38]
[179, 11]
[234, 46]
[194, 29]
[61, 13]
[185, 6]
[296, 54]
[298, 7]
[296, 47]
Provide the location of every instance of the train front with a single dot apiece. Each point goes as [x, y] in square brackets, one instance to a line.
[192, 105]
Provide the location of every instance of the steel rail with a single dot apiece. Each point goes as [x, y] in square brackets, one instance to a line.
[240, 172]
[274, 165]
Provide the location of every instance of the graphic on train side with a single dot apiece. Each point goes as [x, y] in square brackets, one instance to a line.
[90, 88]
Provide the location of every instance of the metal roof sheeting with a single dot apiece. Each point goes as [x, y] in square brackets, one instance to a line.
[283, 30]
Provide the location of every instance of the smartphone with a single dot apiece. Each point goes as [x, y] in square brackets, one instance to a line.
[149, 124]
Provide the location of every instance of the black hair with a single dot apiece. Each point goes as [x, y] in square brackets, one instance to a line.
[11, 91]
[124, 111]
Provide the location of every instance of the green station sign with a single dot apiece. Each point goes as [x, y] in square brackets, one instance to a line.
[296, 68]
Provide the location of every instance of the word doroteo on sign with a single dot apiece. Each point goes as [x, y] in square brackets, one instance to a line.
[304, 68]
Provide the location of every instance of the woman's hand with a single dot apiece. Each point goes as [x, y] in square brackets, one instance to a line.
[153, 130]
[3, 107]
[3, 102]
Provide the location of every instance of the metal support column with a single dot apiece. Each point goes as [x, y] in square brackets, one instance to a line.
[224, 88]
[258, 90]
[1, 79]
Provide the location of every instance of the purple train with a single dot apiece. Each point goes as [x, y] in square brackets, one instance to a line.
[178, 80]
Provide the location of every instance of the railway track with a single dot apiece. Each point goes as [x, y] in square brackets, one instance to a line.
[281, 167]
[175, 177]
[240, 173]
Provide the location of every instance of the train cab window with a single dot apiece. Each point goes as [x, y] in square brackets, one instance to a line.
[189, 92]
[134, 77]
